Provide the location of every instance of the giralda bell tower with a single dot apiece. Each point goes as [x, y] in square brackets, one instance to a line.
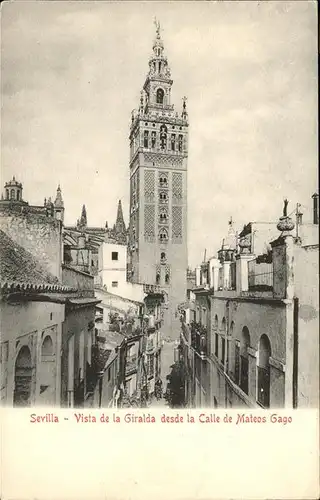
[158, 189]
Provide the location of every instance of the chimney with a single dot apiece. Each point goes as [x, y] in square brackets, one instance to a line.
[315, 198]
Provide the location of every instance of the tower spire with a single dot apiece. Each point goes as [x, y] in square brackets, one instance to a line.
[58, 203]
[83, 218]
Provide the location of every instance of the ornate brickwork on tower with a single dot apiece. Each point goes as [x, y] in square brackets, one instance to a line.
[158, 188]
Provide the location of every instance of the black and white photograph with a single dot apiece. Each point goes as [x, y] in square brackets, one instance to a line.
[159, 208]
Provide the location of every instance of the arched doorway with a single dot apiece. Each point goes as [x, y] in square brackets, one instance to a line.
[22, 378]
[264, 371]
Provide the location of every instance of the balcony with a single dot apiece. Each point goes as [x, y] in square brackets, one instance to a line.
[199, 339]
[151, 289]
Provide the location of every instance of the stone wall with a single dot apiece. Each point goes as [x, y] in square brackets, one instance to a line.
[39, 235]
[77, 279]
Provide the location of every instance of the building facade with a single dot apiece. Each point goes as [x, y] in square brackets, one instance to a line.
[158, 189]
[255, 341]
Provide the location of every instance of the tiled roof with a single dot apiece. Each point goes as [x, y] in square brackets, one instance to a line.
[18, 266]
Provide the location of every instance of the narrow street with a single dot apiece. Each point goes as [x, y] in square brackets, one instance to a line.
[167, 360]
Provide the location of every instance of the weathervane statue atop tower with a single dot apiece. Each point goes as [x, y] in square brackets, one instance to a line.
[157, 25]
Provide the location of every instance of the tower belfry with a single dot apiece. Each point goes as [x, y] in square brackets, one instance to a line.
[158, 187]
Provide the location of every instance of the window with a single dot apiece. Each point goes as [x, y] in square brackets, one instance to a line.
[47, 347]
[264, 371]
[158, 278]
[216, 344]
[173, 142]
[244, 360]
[153, 139]
[12, 194]
[7, 194]
[163, 197]
[216, 322]
[160, 96]
[18, 195]
[163, 217]
[180, 140]
[146, 139]
[163, 181]
[237, 362]
[167, 278]
[223, 349]
[114, 284]
[163, 137]
[114, 255]
[224, 326]
[163, 257]
[163, 235]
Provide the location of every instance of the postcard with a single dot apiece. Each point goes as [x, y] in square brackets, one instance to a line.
[159, 224]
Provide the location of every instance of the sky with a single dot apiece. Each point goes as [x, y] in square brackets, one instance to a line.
[72, 72]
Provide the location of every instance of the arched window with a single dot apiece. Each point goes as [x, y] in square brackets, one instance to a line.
[18, 195]
[163, 197]
[163, 235]
[163, 258]
[216, 322]
[163, 137]
[160, 96]
[7, 194]
[158, 278]
[173, 142]
[180, 141]
[12, 194]
[163, 181]
[153, 139]
[264, 371]
[223, 326]
[167, 278]
[146, 139]
[244, 359]
[47, 347]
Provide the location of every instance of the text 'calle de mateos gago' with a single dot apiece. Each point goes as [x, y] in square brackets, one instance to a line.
[149, 418]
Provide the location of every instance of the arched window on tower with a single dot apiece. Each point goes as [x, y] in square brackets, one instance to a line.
[167, 278]
[180, 142]
[158, 278]
[173, 142]
[263, 370]
[153, 139]
[163, 137]
[163, 180]
[12, 194]
[146, 139]
[163, 197]
[163, 217]
[244, 360]
[7, 194]
[160, 96]
[163, 235]
[18, 195]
